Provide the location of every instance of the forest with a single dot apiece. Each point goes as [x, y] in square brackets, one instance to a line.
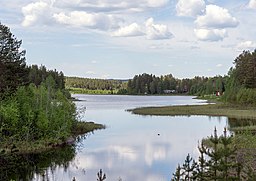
[147, 84]
[94, 86]
[35, 108]
[151, 84]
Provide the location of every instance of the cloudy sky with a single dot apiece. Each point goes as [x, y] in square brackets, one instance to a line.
[118, 39]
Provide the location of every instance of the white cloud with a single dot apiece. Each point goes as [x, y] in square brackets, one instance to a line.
[156, 3]
[246, 45]
[219, 65]
[210, 34]
[34, 12]
[101, 15]
[190, 7]
[157, 31]
[150, 29]
[131, 30]
[111, 5]
[83, 19]
[216, 17]
[252, 4]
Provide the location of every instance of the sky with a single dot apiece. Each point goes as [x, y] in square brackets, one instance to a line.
[118, 39]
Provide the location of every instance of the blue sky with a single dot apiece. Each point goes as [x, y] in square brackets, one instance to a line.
[118, 39]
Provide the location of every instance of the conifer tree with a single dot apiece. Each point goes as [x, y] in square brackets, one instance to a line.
[177, 176]
[13, 71]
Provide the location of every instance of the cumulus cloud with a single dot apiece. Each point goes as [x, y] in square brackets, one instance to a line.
[246, 45]
[156, 3]
[210, 34]
[252, 4]
[34, 13]
[216, 17]
[83, 19]
[157, 31]
[149, 28]
[131, 30]
[101, 15]
[212, 25]
[190, 7]
[111, 5]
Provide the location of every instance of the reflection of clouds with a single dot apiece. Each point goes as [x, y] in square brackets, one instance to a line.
[155, 152]
[89, 161]
[152, 177]
[107, 157]
[124, 152]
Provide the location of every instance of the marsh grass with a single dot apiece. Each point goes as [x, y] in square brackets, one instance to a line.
[230, 111]
[86, 127]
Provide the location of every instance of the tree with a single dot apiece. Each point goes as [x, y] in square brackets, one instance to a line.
[13, 71]
[245, 65]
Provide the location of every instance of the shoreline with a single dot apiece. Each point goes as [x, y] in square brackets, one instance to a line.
[38, 146]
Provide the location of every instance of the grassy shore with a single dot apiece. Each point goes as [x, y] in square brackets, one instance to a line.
[23, 147]
[219, 109]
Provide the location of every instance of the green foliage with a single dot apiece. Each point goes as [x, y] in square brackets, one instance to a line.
[150, 84]
[26, 166]
[36, 113]
[94, 84]
[217, 162]
[241, 82]
[13, 72]
[245, 65]
[38, 75]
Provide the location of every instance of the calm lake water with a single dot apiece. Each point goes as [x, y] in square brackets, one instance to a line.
[133, 147]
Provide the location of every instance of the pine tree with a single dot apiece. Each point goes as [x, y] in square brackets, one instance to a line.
[177, 176]
[13, 71]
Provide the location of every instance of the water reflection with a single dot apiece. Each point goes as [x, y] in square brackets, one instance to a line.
[241, 125]
[132, 147]
[35, 166]
[234, 123]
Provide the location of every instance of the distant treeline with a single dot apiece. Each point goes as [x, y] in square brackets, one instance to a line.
[148, 84]
[151, 84]
[94, 84]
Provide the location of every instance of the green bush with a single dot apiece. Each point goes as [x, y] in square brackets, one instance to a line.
[37, 113]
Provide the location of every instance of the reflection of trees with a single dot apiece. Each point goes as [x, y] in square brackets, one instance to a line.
[241, 124]
[23, 167]
[233, 122]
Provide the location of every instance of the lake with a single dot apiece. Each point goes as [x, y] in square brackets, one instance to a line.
[132, 147]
